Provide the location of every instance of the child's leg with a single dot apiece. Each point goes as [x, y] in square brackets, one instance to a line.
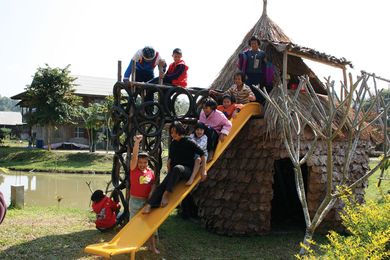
[152, 245]
[194, 171]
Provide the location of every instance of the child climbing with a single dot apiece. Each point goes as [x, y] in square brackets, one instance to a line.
[229, 107]
[105, 209]
[142, 184]
[199, 137]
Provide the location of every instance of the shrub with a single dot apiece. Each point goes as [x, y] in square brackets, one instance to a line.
[368, 227]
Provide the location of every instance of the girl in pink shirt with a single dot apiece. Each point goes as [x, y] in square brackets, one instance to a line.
[218, 126]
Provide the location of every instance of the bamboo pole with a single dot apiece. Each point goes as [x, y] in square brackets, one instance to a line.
[343, 90]
[285, 72]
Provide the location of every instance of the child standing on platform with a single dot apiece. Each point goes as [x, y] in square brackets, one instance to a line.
[142, 184]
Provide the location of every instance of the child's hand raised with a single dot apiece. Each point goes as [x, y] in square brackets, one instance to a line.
[138, 138]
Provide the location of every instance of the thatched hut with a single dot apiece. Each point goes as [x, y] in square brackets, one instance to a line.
[251, 188]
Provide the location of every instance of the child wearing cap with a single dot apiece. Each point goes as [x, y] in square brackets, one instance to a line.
[229, 106]
[177, 70]
[199, 137]
[146, 60]
[142, 184]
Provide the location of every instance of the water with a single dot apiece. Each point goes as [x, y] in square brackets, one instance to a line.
[42, 189]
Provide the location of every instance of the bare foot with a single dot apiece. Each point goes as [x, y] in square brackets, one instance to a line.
[147, 209]
[164, 200]
[203, 177]
[154, 250]
[189, 182]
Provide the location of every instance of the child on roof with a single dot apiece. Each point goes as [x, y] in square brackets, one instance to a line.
[142, 184]
[105, 209]
[177, 70]
[199, 137]
[229, 106]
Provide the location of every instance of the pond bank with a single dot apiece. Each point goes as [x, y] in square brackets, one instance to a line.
[39, 160]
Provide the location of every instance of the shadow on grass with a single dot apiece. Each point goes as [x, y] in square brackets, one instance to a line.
[66, 246]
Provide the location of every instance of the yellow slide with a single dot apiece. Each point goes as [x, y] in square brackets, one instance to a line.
[132, 236]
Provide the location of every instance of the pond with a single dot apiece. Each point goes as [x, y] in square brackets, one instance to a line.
[42, 189]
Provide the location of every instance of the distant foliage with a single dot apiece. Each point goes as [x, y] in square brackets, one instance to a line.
[7, 104]
[4, 132]
[51, 94]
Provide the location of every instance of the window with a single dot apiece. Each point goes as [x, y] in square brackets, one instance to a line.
[79, 132]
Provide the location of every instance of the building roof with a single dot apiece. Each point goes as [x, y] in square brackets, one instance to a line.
[86, 86]
[93, 86]
[10, 118]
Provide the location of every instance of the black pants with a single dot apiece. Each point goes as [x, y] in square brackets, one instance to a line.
[212, 139]
[177, 173]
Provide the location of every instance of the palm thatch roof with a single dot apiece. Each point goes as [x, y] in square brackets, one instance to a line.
[274, 42]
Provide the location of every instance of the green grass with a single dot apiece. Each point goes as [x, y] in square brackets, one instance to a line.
[60, 233]
[54, 161]
[373, 192]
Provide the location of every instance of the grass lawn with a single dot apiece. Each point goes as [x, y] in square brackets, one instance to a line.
[18, 158]
[63, 233]
[373, 192]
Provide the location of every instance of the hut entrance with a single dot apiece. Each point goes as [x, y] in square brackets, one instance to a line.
[286, 208]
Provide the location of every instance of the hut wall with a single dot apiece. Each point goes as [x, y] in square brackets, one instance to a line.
[236, 198]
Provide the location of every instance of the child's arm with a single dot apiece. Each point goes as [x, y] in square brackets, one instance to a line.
[134, 158]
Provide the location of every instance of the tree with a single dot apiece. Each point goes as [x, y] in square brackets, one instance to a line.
[51, 97]
[7, 104]
[337, 117]
[94, 118]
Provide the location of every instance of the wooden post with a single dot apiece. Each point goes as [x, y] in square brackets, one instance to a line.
[285, 71]
[344, 90]
[119, 76]
[133, 71]
[17, 196]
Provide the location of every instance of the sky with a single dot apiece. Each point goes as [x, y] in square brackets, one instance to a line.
[92, 35]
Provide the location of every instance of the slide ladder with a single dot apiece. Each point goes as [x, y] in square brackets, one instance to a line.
[132, 236]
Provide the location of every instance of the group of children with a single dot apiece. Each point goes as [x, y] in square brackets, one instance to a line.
[213, 125]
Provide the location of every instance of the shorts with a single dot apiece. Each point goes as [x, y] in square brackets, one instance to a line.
[135, 205]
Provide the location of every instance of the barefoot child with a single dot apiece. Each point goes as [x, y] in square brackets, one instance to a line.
[199, 138]
[180, 165]
[142, 184]
[105, 209]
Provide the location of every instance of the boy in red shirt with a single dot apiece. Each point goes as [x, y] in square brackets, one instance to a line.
[229, 106]
[142, 184]
[177, 70]
[105, 209]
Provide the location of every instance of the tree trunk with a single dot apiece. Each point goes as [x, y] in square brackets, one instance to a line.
[48, 137]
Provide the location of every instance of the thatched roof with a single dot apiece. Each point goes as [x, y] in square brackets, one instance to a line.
[274, 41]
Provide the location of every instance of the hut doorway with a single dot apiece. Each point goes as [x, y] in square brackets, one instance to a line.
[286, 210]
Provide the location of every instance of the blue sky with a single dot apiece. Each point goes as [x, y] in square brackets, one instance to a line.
[93, 35]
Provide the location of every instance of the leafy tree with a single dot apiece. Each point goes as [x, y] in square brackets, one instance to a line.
[51, 95]
[94, 119]
[107, 106]
[7, 104]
